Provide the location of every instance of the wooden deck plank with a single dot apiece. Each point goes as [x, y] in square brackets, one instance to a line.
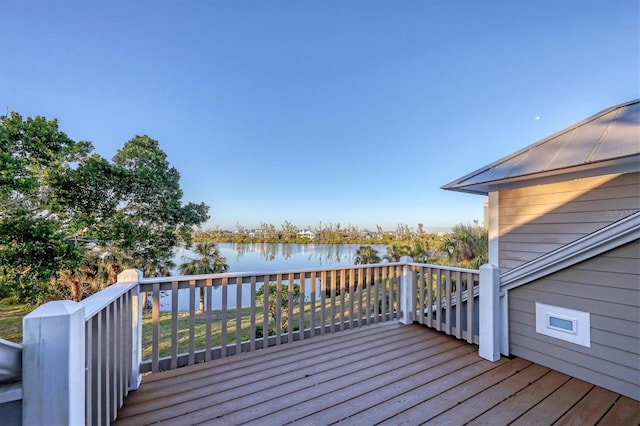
[384, 373]
[266, 377]
[485, 400]
[555, 405]
[227, 374]
[458, 392]
[305, 387]
[625, 411]
[335, 406]
[510, 409]
[590, 409]
[295, 347]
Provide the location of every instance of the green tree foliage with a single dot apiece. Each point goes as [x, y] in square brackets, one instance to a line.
[67, 213]
[208, 260]
[366, 255]
[416, 251]
[150, 220]
[467, 246]
[35, 229]
[283, 297]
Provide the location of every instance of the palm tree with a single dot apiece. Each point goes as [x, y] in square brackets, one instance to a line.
[416, 252]
[208, 261]
[366, 255]
[467, 246]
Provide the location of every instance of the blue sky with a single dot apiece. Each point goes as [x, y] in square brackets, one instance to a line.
[350, 112]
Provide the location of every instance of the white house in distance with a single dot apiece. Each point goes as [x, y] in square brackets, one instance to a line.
[564, 229]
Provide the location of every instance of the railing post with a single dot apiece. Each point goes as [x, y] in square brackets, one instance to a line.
[489, 312]
[53, 364]
[130, 275]
[407, 293]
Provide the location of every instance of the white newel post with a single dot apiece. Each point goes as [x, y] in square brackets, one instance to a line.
[489, 312]
[130, 275]
[407, 293]
[53, 365]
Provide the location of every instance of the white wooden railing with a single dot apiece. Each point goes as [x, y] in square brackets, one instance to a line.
[333, 300]
[81, 359]
[442, 299]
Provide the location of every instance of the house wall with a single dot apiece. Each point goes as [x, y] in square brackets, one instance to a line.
[607, 287]
[539, 219]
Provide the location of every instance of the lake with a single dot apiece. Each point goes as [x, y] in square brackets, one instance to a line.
[263, 257]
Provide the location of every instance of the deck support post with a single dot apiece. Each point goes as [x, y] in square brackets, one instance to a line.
[130, 275]
[53, 364]
[407, 292]
[489, 312]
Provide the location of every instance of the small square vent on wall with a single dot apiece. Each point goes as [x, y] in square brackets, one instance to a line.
[563, 323]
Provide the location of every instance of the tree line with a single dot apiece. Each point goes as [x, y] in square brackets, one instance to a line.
[466, 246]
[328, 233]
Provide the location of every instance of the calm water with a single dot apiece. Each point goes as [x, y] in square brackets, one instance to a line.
[283, 257]
[258, 257]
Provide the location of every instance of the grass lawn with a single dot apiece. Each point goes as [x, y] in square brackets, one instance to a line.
[11, 320]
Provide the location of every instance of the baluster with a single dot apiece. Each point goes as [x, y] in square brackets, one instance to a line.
[290, 289]
[312, 304]
[223, 325]
[155, 323]
[265, 312]
[458, 292]
[208, 295]
[238, 315]
[278, 309]
[252, 330]
[301, 325]
[174, 324]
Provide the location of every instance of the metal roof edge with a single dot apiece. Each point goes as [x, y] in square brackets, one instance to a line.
[457, 184]
[625, 164]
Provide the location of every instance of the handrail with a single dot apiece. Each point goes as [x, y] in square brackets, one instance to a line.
[10, 361]
[98, 301]
[248, 274]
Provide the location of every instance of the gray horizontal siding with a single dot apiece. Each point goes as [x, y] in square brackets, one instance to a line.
[536, 220]
[608, 287]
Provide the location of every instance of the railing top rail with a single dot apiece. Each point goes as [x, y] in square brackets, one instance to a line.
[446, 268]
[10, 360]
[98, 301]
[153, 280]
[244, 274]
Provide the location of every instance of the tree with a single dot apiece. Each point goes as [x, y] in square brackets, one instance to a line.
[151, 219]
[366, 255]
[466, 246]
[416, 251]
[289, 232]
[62, 206]
[208, 261]
[36, 230]
[284, 302]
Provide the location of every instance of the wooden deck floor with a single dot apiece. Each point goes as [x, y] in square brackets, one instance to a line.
[381, 374]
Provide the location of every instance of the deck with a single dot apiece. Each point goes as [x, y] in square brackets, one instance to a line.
[387, 373]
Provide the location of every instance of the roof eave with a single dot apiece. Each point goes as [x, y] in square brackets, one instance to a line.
[627, 164]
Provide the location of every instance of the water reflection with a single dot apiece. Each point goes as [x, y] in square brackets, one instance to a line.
[264, 257]
[278, 257]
